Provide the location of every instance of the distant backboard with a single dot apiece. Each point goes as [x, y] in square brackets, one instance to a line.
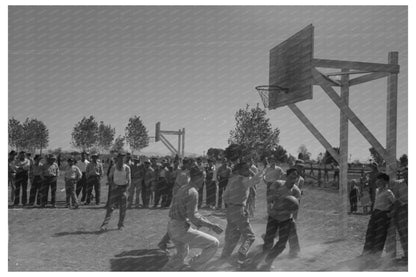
[157, 132]
[291, 68]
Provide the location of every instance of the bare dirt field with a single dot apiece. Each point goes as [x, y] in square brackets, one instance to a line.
[68, 240]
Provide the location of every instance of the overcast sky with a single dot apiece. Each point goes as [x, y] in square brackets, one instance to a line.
[193, 68]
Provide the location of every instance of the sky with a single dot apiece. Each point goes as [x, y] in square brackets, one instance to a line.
[193, 67]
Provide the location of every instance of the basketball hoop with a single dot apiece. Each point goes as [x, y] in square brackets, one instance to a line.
[266, 91]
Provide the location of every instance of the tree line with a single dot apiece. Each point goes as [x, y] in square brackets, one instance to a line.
[87, 135]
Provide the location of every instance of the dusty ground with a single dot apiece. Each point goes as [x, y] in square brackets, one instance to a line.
[67, 240]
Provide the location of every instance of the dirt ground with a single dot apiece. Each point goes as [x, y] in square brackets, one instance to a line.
[68, 240]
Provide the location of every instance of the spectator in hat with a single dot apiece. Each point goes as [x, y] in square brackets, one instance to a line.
[223, 174]
[372, 179]
[162, 188]
[272, 173]
[82, 184]
[120, 180]
[72, 175]
[201, 190]
[50, 175]
[384, 207]
[94, 173]
[22, 167]
[36, 181]
[12, 173]
[149, 177]
[211, 185]
[137, 176]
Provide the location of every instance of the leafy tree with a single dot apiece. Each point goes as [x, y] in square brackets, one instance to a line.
[15, 133]
[403, 160]
[105, 136]
[136, 134]
[118, 145]
[328, 159]
[304, 154]
[215, 153]
[254, 131]
[85, 133]
[376, 156]
[35, 134]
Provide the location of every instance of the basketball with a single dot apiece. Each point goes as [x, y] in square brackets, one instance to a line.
[290, 203]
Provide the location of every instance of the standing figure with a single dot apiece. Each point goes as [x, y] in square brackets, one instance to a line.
[82, 184]
[22, 167]
[94, 173]
[201, 190]
[184, 211]
[119, 180]
[137, 176]
[372, 178]
[72, 175]
[238, 224]
[211, 185]
[223, 174]
[12, 174]
[147, 183]
[36, 182]
[354, 194]
[378, 225]
[50, 175]
[272, 173]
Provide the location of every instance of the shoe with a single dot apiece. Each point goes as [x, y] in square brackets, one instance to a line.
[120, 228]
[76, 207]
[163, 247]
[53, 206]
[103, 228]
[293, 255]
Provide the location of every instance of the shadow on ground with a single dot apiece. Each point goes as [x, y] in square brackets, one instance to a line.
[139, 260]
[96, 232]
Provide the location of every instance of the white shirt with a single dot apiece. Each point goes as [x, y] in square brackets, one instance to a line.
[82, 165]
[121, 177]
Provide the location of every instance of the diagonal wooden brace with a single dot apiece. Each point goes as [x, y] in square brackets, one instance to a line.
[349, 113]
[308, 124]
[168, 144]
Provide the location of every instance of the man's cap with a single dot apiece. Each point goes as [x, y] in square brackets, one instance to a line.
[37, 157]
[299, 162]
[121, 154]
[147, 161]
[94, 154]
[70, 159]
[383, 176]
[135, 158]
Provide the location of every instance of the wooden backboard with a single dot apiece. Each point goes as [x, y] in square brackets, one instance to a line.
[291, 68]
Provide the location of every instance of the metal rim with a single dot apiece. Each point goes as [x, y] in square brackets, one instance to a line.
[271, 88]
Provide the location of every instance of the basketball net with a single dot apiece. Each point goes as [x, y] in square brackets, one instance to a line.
[266, 91]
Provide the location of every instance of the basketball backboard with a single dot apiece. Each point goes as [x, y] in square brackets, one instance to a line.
[157, 132]
[291, 68]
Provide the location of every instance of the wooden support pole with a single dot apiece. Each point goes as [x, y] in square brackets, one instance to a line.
[350, 114]
[363, 66]
[391, 143]
[183, 142]
[368, 78]
[168, 144]
[179, 144]
[343, 158]
[308, 124]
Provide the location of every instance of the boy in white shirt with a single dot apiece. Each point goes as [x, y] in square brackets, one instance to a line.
[72, 175]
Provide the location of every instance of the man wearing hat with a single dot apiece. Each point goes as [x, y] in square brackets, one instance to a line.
[36, 181]
[50, 175]
[184, 210]
[119, 181]
[22, 166]
[94, 173]
[82, 184]
[211, 185]
[149, 177]
[72, 176]
[137, 175]
[372, 178]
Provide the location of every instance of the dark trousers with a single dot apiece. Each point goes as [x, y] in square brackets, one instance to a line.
[82, 186]
[353, 203]
[238, 225]
[93, 182]
[376, 232]
[372, 192]
[35, 188]
[211, 193]
[118, 196]
[284, 228]
[146, 192]
[49, 182]
[21, 183]
[294, 245]
[222, 184]
[201, 195]
[70, 193]
[161, 192]
[401, 222]
[169, 194]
